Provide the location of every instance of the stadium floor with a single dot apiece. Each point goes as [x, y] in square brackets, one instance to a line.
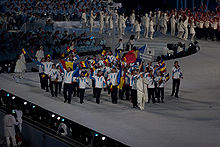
[192, 120]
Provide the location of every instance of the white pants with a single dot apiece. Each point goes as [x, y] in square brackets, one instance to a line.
[138, 34]
[141, 99]
[192, 37]
[173, 31]
[101, 27]
[146, 31]
[180, 34]
[186, 34]
[9, 142]
[151, 35]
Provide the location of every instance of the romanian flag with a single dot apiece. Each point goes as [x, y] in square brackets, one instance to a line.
[94, 62]
[24, 51]
[117, 55]
[69, 64]
[120, 80]
[162, 66]
[84, 64]
[106, 62]
[68, 49]
[104, 53]
[167, 77]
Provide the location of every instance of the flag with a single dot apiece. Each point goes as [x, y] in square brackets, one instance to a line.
[162, 66]
[131, 57]
[167, 77]
[24, 51]
[106, 62]
[142, 49]
[68, 49]
[84, 64]
[117, 55]
[120, 79]
[62, 55]
[69, 64]
[104, 53]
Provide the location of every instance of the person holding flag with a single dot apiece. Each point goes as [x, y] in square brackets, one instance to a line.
[112, 83]
[53, 76]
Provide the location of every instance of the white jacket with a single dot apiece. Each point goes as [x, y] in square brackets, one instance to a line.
[150, 82]
[112, 78]
[99, 81]
[176, 72]
[53, 74]
[83, 82]
[9, 123]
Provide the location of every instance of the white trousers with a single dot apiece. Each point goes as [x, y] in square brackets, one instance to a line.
[186, 34]
[141, 99]
[146, 32]
[9, 142]
[173, 29]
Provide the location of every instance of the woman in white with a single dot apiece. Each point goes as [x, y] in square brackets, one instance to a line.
[192, 30]
[180, 29]
[140, 92]
[20, 67]
[151, 26]
[92, 17]
[132, 20]
[101, 21]
[110, 24]
[185, 27]
[173, 25]
[122, 24]
[137, 29]
[146, 25]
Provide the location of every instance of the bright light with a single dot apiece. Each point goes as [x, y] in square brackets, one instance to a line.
[25, 103]
[58, 118]
[96, 134]
[53, 115]
[33, 106]
[62, 119]
[13, 97]
[103, 138]
[8, 94]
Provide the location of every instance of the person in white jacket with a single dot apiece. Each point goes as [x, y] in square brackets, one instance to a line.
[111, 25]
[83, 20]
[83, 83]
[20, 68]
[192, 30]
[9, 123]
[151, 87]
[146, 25]
[53, 76]
[140, 92]
[132, 20]
[161, 81]
[112, 83]
[173, 25]
[91, 21]
[99, 84]
[19, 115]
[185, 27]
[151, 26]
[101, 21]
[180, 28]
[164, 22]
[137, 29]
[122, 24]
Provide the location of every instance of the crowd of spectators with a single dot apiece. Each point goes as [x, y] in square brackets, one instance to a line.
[17, 12]
[54, 43]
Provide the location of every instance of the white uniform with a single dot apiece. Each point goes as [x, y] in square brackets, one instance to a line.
[180, 30]
[137, 29]
[101, 21]
[92, 17]
[39, 55]
[132, 21]
[164, 21]
[192, 30]
[173, 25]
[151, 26]
[107, 22]
[19, 114]
[158, 18]
[9, 123]
[185, 27]
[146, 25]
[83, 82]
[53, 74]
[122, 24]
[176, 73]
[47, 67]
[112, 79]
[83, 20]
[99, 81]
[20, 64]
[141, 99]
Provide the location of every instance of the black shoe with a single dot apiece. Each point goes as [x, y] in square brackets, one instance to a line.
[176, 96]
[172, 94]
[69, 102]
[65, 101]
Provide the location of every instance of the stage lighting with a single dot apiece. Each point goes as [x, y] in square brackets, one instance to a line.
[13, 97]
[96, 134]
[25, 103]
[103, 138]
[33, 106]
[53, 115]
[62, 119]
[8, 94]
[58, 118]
